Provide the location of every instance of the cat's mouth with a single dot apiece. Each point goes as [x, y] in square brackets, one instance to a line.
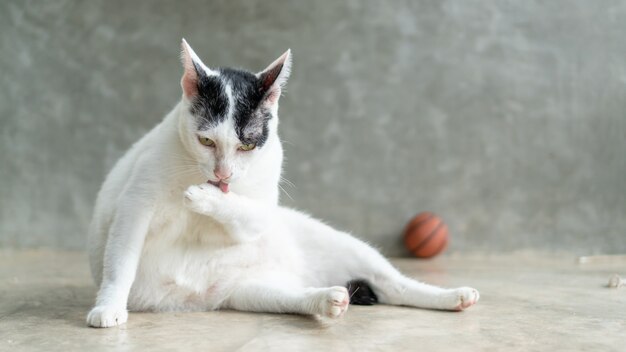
[223, 186]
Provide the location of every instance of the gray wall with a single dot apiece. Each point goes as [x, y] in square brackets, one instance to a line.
[506, 117]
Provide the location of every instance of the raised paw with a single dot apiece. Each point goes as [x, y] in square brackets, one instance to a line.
[106, 316]
[465, 297]
[334, 302]
[202, 198]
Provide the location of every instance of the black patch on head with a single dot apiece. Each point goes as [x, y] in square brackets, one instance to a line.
[211, 104]
[361, 293]
[248, 93]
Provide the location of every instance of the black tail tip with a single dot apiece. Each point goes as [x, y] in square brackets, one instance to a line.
[361, 293]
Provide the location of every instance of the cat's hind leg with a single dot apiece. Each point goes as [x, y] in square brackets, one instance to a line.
[392, 287]
[336, 258]
[274, 297]
[409, 292]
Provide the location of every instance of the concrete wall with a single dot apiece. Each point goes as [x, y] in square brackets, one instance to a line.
[506, 117]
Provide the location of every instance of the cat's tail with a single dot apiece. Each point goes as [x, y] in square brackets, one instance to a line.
[361, 293]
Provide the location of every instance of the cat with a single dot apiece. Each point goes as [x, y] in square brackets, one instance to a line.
[188, 219]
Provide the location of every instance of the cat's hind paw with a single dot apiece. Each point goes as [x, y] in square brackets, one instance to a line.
[106, 316]
[334, 302]
[466, 297]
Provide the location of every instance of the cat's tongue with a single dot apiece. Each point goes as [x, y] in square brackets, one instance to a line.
[221, 185]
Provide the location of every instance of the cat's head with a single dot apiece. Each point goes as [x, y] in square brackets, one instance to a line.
[229, 116]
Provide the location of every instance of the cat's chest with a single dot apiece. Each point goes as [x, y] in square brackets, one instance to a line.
[194, 239]
[190, 258]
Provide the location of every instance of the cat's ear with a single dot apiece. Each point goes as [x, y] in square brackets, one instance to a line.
[275, 76]
[194, 68]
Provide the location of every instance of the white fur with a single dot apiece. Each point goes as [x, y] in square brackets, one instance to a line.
[163, 239]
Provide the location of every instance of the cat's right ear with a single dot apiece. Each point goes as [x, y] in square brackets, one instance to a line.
[194, 68]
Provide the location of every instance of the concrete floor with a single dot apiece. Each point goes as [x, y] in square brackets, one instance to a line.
[528, 303]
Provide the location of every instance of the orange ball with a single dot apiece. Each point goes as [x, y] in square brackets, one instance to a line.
[426, 235]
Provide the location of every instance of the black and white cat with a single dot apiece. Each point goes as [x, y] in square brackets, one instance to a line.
[188, 219]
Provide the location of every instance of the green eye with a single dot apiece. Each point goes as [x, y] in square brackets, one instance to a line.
[206, 141]
[247, 147]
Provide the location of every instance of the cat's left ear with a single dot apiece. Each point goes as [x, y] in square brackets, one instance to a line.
[275, 76]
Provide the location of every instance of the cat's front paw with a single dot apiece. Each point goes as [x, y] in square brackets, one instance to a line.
[107, 316]
[202, 198]
[334, 302]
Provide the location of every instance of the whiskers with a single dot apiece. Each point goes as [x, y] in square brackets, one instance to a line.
[179, 171]
[355, 291]
[177, 165]
[287, 182]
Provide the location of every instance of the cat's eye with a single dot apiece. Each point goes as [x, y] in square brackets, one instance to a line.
[206, 141]
[247, 147]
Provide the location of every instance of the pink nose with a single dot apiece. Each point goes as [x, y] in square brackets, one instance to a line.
[222, 174]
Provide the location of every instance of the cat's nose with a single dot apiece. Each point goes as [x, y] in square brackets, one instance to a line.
[222, 174]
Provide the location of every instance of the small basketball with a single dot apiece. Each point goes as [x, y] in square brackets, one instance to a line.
[426, 235]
